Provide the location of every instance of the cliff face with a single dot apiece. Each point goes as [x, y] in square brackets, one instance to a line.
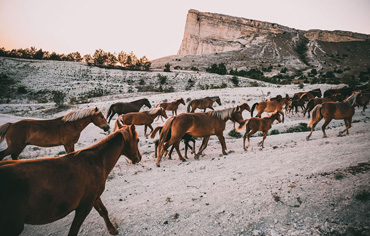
[207, 33]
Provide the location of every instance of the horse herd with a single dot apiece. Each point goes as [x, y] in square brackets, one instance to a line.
[44, 190]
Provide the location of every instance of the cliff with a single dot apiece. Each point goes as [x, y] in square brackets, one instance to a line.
[207, 33]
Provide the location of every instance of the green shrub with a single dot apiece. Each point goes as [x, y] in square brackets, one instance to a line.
[235, 134]
[58, 98]
[235, 81]
[301, 127]
[274, 132]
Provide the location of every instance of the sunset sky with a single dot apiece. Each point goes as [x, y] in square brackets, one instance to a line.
[155, 28]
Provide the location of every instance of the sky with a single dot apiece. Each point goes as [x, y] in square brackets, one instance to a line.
[155, 28]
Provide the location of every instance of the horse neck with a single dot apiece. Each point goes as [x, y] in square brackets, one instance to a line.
[140, 102]
[109, 152]
[81, 123]
[270, 119]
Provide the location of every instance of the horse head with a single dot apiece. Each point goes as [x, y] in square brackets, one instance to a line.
[182, 101]
[99, 120]
[237, 116]
[147, 103]
[245, 106]
[131, 139]
[162, 113]
[218, 100]
[276, 116]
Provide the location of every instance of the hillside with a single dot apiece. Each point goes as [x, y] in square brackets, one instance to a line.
[291, 187]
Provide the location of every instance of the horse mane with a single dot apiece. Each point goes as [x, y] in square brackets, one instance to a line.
[154, 110]
[214, 97]
[351, 100]
[222, 114]
[78, 114]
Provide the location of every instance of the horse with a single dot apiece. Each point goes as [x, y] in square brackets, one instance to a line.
[187, 138]
[295, 104]
[255, 124]
[126, 107]
[363, 99]
[338, 92]
[171, 106]
[313, 102]
[64, 131]
[271, 106]
[145, 118]
[203, 103]
[333, 110]
[243, 106]
[197, 125]
[44, 190]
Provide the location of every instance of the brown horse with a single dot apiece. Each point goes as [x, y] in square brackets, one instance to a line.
[271, 106]
[145, 118]
[333, 110]
[47, 133]
[44, 190]
[313, 102]
[197, 125]
[255, 124]
[126, 107]
[243, 106]
[363, 100]
[171, 106]
[203, 103]
[187, 138]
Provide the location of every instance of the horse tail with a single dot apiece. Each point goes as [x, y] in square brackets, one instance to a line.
[154, 132]
[254, 106]
[163, 135]
[241, 127]
[110, 111]
[309, 104]
[316, 115]
[189, 105]
[3, 130]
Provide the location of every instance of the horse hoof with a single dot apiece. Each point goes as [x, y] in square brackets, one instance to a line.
[307, 138]
[158, 165]
[113, 231]
[196, 157]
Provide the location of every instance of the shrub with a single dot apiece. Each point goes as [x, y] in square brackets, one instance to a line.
[22, 90]
[58, 98]
[193, 68]
[301, 127]
[235, 134]
[254, 84]
[274, 132]
[167, 67]
[235, 81]
[162, 79]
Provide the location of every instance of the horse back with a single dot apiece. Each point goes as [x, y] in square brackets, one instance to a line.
[337, 110]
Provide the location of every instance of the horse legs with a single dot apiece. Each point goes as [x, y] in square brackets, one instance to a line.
[202, 147]
[111, 116]
[170, 153]
[80, 216]
[145, 128]
[69, 147]
[176, 145]
[223, 143]
[263, 140]
[348, 125]
[327, 121]
[99, 206]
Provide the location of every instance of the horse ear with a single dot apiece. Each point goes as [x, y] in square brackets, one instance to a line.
[96, 109]
[237, 108]
[132, 128]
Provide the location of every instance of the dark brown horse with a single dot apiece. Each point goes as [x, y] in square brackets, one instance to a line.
[255, 124]
[312, 103]
[203, 103]
[197, 125]
[187, 138]
[271, 106]
[48, 133]
[171, 106]
[333, 110]
[363, 100]
[44, 190]
[126, 107]
[145, 118]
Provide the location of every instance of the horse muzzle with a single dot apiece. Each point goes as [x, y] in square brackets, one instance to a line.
[106, 128]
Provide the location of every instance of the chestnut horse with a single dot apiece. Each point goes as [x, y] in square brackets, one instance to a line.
[47, 133]
[145, 118]
[171, 106]
[187, 138]
[44, 190]
[334, 110]
[197, 125]
[271, 106]
[126, 107]
[313, 102]
[203, 103]
[243, 106]
[255, 124]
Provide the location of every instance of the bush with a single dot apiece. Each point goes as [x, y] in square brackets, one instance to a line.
[235, 81]
[193, 68]
[301, 127]
[162, 79]
[22, 90]
[235, 134]
[167, 67]
[254, 84]
[58, 98]
[274, 132]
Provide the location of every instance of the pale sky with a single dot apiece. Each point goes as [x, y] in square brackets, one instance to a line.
[155, 28]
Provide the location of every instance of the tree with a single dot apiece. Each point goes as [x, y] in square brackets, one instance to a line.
[167, 67]
[122, 58]
[100, 57]
[88, 59]
[111, 59]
